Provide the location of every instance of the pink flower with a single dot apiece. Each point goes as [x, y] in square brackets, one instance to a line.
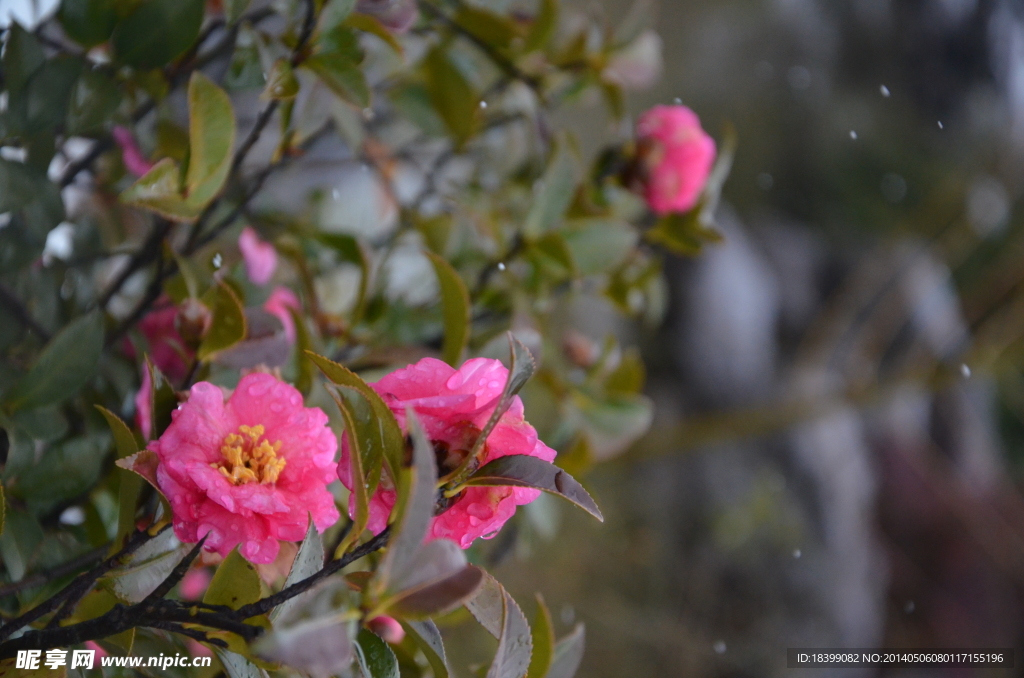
[194, 583]
[260, 257]
[97, 648]
[453, 405]
[165, 347]
[387, 628]
[278, 304]
[246, 471]
[134, 161]
[677, 156]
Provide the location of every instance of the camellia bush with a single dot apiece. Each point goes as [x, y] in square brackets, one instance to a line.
[276, 280]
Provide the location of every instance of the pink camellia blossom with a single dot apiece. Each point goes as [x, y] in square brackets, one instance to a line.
[97, 648]
[260, 257]
[453, 406]
[134, 161]
[278, 304]
[194, 583]
[144, 405]
[676, 154]
[248, 470]
[387, 628]
[166, 348]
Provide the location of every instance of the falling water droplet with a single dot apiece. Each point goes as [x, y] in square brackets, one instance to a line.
[501, 265]
[853, 134]
[940, 125]
[720, 647]
[884, 90]
[797, 553]
[909, 607]
[483, 104]
[336, 194]
[965, 370]
[677, 101]
[218, 260]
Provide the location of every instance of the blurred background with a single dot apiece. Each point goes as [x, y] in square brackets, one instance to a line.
[836, 453]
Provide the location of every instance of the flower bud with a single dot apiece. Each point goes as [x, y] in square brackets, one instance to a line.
[193, 321]
[674, 156]
[387, 628]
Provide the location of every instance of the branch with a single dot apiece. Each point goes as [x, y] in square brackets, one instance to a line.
[44, 576]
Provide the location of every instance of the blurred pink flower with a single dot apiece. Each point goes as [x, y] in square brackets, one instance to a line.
[397, 15]
[453, 405]
[260, 257]
[677, 155]
[387, 628]
[95, 647]
[165, 346]
[194, 583]
[197, 649]
[280, 300]
[248, 470]
[134, 161]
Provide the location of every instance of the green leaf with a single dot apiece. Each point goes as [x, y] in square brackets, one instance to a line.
[308, 561]
[599, 246]
[388, 436]
[319, 647]
[514, 646]
[436, 581]
[452, 95]
[553, 257]
[342, 75]
[349, 249]
[523, 367]
[543, 634]
[18, 543]
[96, 603]
[371, 24]
[159, 190]
[303, 342]
[23, 55]
[94, 100]
[426, 636]
[130, 484]
[88, 22]
[494, 29]
[554, 193]
[456, 309]
[3, 508]
[544, 25]
[417, 489]
[282, 85]
[48, 94]
[568, 654]
[228, 326]
[520, 470]
[234, 9]
[164, 400]
[375, 657]
[488, 606]
[333, 14]
[211, 138]
[67, 363]
[234, 584]
[37, 207]
[147, 567]
[157, 32]
[237, 666]
[362, 434]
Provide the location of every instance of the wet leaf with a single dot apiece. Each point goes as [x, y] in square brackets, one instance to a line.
[88, 22]
[553, 194]
[599, 246]
[375, 657]
[520, 470]
[69, 360]
[514, 646]
[456, 309]
[387, 434]
[147, 567]
[157, 32]
[543, 635]
[437, 581]
[159, 190]
[414, 509]
[321, 647]
[228, 326]
[308, 561]
[342, 74]
[130, 484]
[426, 636]
[488, 606]
[568, 654]
[211, 138]
[282, 84]
[452, 95]
[234, 584]
[361, 429]
[65, 471]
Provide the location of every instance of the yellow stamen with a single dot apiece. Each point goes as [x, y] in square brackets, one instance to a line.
[247, 459]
